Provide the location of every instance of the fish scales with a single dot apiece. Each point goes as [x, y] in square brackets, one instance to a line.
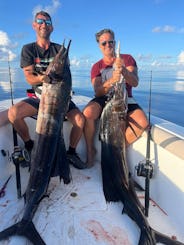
[49, 152]
[53, 95]
[117, 183]
[113, 119]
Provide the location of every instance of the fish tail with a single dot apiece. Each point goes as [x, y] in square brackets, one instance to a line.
[161, 238]
[23, 228]
[152, 237]
[12, 230]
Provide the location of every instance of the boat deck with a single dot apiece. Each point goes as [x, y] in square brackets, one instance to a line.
[77, 213]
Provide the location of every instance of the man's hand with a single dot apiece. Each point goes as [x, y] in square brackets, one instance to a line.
[117, 72]
[116, 75]
[45, 78]
[120, 68]
[118, 63]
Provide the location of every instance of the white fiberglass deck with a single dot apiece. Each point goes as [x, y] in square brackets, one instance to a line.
[77, 213]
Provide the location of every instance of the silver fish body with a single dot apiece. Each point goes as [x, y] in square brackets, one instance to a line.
[49, 138]
[117, 183]
[112, 128]
[49, 153]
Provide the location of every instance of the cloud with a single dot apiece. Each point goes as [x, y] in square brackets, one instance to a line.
[181, 58]
[6, 54]
[51, 9]
[75, 62]
[156, 63]
[5, 45]
[4, 39]
[168, 29]
[181, 30]
[165, 57]
[160, 62]
[144, 57]
[82, 62]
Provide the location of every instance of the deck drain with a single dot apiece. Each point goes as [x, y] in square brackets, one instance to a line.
[73, 194]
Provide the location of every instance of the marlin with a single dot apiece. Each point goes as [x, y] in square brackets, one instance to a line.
[117, 182]
[49, 152]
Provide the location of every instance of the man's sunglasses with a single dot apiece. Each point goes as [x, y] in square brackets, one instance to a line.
[41, 21]
[111, 42]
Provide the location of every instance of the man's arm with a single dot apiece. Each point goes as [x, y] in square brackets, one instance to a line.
[101, 88]
[129, 73]
[32, 77]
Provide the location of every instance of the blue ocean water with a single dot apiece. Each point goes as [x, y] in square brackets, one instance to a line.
[167, 90]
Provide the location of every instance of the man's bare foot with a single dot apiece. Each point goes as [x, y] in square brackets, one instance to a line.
[90, 158]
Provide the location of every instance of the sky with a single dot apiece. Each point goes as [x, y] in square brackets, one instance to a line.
[152, 31]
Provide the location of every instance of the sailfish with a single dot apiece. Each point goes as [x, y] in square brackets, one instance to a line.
[117, 182]
[49, 152]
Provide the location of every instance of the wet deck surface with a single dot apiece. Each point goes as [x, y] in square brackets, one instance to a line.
[77, 213]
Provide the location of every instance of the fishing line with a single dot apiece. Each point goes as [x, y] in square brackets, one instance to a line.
[148, 165]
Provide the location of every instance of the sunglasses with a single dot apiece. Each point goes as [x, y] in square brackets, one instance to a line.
[111, 42]
[41, 21]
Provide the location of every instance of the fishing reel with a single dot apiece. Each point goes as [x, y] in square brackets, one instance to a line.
[19, 155]
[144, 169]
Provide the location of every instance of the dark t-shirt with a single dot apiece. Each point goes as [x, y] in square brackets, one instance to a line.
[32, 54]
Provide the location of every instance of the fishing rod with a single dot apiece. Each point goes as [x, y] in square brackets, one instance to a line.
[17, 153]
[146, 169]
[148, 164]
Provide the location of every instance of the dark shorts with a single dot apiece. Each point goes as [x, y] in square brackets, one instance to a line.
[35, 103]
[102, 101]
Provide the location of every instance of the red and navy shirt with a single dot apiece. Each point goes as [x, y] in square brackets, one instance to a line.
[105, 71]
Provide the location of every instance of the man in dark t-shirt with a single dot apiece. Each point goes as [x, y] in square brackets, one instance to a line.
[35, 58]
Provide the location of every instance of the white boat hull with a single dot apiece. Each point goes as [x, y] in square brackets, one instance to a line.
[77, 213]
